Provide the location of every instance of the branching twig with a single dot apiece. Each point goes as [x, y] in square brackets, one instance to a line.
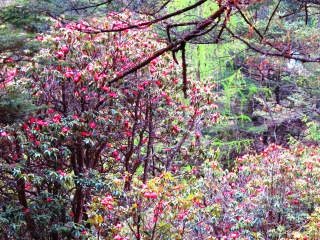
[148, 23]
[184, 70]
[271, 17]
[273, 54]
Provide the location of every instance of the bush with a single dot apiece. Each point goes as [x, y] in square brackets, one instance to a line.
[90, 130]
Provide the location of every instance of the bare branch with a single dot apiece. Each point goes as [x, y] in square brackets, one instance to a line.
[273, 54]
[271, 17]
[91, 6]
[149, 23]
[185, 38]
[184, 69]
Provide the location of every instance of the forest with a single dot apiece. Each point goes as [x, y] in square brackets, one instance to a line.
[159, 119]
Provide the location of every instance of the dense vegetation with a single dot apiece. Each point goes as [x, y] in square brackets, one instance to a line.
[159, 119]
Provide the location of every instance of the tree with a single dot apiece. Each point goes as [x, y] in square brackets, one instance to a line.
[269, 28]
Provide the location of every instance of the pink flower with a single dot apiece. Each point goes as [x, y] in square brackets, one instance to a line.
[124, 59]
[175, 128]
[109, 198]
[62, 173]
[107, 202]
[119, 225]
[65, 49]
[57, 118]
[39, 38]
[117, 237]
[115, 154]
[84, 134]
[150, 194]
[106, 89]
[146, 195]
[76, 79]
[234, 235]
[4, 134]
[68, 74]
[60, 54]
[65, 130]
[140, 87]
[32, 120]
[154, 61]
[96, 77]
[42, 123]
[153, 195]
[129, 134]
[90, 68]
[104, 75]
[113, 95]
[158, 82]
[92, 125]
[9, 60]
[295, 201]
[182, 215]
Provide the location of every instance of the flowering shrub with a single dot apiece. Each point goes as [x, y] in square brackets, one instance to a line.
[89, 130]
[272, 195]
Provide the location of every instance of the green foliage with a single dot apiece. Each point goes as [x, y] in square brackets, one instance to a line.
[15, 106]
[312, 227]
[313, 132]
[18, 16]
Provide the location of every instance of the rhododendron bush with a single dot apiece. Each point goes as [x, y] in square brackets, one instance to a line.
[123, 158]
[89, 129]
[272, 195]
